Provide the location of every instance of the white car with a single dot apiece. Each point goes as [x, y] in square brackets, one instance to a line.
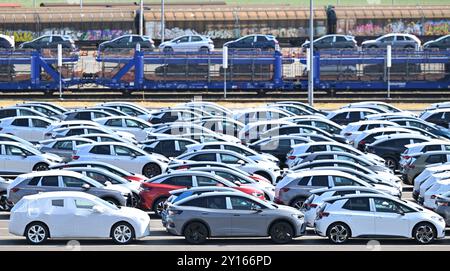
[105, 138]
[15, 111]
[352, 130]
[81, 130]
[67, 124]
[438, 188]
[238, 148]
[345, 116]
[268, 170]
[30, 128]
[300, 151]
[362, 139]
[252, 130]
[188, 43]
[45, 109]
[130, 109]
[136, 126]
[16, 158]
[212, 108]
[423, 147]
[125, 156]
[376, 215]
[75, 215]
[313, 202]
[376, 105]
[12, 138]
[422, 185]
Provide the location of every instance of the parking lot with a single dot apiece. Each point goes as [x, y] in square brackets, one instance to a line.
[160, 240]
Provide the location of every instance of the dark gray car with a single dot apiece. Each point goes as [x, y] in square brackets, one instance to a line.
[225, 214]
[63, 180]
[443, 206]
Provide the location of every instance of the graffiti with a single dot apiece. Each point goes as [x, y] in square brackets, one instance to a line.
[103, 34]
[19, 35]
[420, 28]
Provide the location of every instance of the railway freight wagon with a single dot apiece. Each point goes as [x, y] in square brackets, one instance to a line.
[92, 25]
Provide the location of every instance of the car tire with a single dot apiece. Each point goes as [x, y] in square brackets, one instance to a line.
[424, 233]
[37, 233]
[196, 233]
[40, 167]
[158, 206]
[391, 163]
[168, 50]
[151, 170]
[338, 233]
[204, 50]
[122, 233]
[281, 232]
[297, 203]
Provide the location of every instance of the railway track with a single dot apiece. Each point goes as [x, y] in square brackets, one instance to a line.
[97, 95]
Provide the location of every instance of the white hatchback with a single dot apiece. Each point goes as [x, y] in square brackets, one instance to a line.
[75, 215]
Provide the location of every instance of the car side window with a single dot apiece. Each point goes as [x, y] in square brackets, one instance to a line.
[102, 149]
[216, 202]
[34, 181]
[241, 203]
[342, 181]
[84, 204]
[437, 158]
[20, 122]
[357, 204]
[13, 150]
[386, 206]
[49, 181]
[229, 159]
[196, 38]
[58, 203]
[432, 148]
[261, 39]
[319, 181]
[72, 132]
[39, 123]
[304, 181]
[206, 181]
[179, 181]
[114, 123]
[317, 148]
[204, 157]
[72, 182]
[198, 202]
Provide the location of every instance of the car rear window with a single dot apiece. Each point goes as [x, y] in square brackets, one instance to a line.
[34, 181]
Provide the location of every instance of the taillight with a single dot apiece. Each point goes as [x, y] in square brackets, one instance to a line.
[442, 203]
[433, 196]
[362, 142]
[285, 189]
[15, 189]
[75, 157]
[312, 205]
[406, 157]
[292, 157]
[321, 215]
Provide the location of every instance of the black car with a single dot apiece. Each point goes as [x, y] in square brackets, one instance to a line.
[297, 129]
[439, 117]
[6, 42]
[169, 147]
[332, 42]
[264, 42]
[391, 147]
[49, 42]
[278, 146]
[87, 114]
[128, 42]
[442, 43]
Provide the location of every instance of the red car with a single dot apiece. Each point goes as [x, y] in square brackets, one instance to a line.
[156, 190]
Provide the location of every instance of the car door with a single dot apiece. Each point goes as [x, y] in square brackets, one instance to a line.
[248, 217]
[100, 153]
[38, 128]
[86, 222]
[389, 40]
[195, 43]
[18, 160]
[56, 217]
[135, 128]
[182, 44]
[128, 158]
[360, 216]
[218, 216]
[44, 42]
[325, 43]
[20, 128]
[169, 148]
[389, 218]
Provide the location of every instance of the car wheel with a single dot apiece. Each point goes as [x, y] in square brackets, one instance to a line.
[338, 233]
[281, 232]
[297, 203]
[122, 233]
[158, 206]
[36, 233]
[390, 163]
[134, 200]
[151, 170]
[40, 167]
[424, 233]
[196, 233]
[204, 50]
[168, 50]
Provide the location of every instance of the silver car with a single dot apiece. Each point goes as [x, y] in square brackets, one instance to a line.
[396, 40]
[226, 214]
[188, 43]
[63, 147]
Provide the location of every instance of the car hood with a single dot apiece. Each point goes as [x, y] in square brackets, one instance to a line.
[119, 188]
[368, 41]
[52, 157]
[387, 189]
[133, 213]
[375, 158]
[160, 157]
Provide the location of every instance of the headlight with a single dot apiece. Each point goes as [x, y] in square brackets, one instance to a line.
[297, 216]
[257, 194]
[438, 218]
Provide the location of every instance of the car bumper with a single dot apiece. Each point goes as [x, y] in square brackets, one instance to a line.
[145, 232]
[319, 228]
[415, 195]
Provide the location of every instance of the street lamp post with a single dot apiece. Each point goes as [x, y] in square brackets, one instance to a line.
[141, 19]
[311, 54]
[162, 21]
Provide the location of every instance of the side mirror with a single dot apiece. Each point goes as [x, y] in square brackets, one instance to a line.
[238, 183]
[178, 41]
[24, 155]
[400, 212]
[241, 162]
[98, 209]
[108, 183]
[86, 186]
[256, 210]
[133, 155]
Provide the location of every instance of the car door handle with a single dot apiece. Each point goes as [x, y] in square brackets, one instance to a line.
[205, 213]
[236, 215]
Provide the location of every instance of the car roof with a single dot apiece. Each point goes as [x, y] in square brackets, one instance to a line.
[342, 188]
[59, 194]
[431, 142]
[52, 172]
[318, 172]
